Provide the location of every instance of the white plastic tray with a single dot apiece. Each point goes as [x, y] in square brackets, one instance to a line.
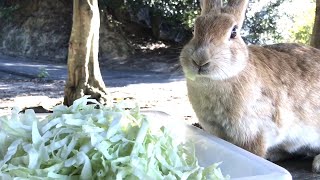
[236, 162]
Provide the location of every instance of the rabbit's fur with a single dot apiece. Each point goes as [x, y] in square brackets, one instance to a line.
[263, 99]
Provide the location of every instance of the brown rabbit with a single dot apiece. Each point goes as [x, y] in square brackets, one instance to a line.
[263, 99]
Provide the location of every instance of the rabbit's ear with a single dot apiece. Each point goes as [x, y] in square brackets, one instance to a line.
[210, 6]
[238, 9]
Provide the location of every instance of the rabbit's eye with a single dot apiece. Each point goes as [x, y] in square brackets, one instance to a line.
[234, 32]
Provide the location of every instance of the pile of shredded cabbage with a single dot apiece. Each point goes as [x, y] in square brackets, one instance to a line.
[90, 141]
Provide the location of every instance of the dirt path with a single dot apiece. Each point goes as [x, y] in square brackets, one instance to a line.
[152, 80]
[170, 97]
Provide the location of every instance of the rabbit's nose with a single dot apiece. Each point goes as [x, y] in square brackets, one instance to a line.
[205, 65]
[202, 67]
[201, 64]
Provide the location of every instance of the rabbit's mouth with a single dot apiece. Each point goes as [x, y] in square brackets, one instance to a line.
[197, 72]
[203, 71]
[216, 70]
[214, 73]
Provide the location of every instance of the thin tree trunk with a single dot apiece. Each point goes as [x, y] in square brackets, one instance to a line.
[84, 77]
[315, 38]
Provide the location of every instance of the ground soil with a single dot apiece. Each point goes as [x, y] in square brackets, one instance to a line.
[43, 96]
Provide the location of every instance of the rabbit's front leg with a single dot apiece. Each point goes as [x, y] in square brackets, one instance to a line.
[255, 145]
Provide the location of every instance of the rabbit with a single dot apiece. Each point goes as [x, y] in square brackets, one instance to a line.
[265, 99]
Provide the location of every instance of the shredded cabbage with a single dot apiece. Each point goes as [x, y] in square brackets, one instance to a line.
[90, 141]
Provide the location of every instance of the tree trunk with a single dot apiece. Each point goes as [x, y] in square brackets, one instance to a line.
[84, 77]
[315, 38]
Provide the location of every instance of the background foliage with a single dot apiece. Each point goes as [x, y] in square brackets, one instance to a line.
[268, 21]
[260, 26]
